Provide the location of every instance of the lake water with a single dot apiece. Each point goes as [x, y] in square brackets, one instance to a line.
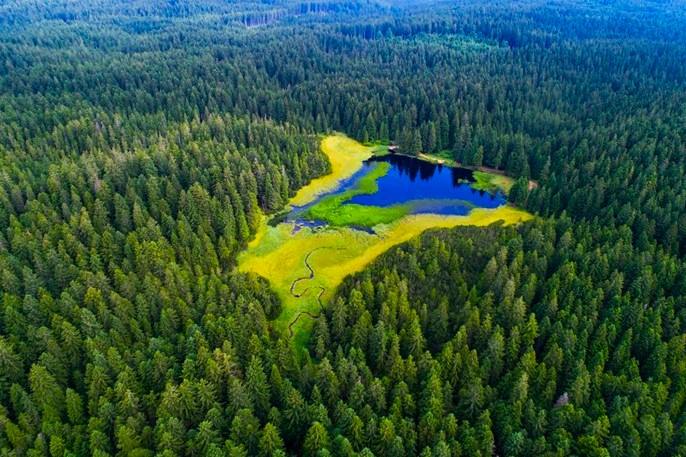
[427, 187]
[431, 188]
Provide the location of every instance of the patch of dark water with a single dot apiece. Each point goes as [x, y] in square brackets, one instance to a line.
[430, 188]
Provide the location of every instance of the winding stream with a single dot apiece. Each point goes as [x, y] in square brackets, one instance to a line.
[301, 294]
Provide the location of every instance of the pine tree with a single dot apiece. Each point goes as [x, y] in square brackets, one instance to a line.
[316, 439]
[271, 442]
[519, 191]
[416, 143]
[432, 140]
[257, 387]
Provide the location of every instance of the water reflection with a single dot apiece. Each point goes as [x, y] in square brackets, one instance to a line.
[431, 188]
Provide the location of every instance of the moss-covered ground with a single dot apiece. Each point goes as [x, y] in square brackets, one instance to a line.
[492, 182]
[332, 209]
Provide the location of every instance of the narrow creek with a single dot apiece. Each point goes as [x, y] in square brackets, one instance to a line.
[307, 289]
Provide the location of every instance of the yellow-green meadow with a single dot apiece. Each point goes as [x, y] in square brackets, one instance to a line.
[346, 156]
[278, 253]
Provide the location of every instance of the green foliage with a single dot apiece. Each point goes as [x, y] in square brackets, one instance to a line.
[141, 143]
[538, 331]
[519, 191]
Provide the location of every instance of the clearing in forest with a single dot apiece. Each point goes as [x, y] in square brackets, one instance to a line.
[306, 262]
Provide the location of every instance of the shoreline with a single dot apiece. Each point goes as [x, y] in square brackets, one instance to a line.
[450, 163]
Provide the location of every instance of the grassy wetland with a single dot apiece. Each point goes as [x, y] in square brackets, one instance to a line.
[305, 264]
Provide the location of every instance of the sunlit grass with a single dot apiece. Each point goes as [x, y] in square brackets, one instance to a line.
[346, 156]
[280, 255]
[339, 215]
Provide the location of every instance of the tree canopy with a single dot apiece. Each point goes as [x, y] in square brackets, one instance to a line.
[141, 142]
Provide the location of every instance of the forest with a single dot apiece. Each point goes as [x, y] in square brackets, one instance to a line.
[142, 143]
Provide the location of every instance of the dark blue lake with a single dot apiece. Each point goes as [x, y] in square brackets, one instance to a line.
[431, 188]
